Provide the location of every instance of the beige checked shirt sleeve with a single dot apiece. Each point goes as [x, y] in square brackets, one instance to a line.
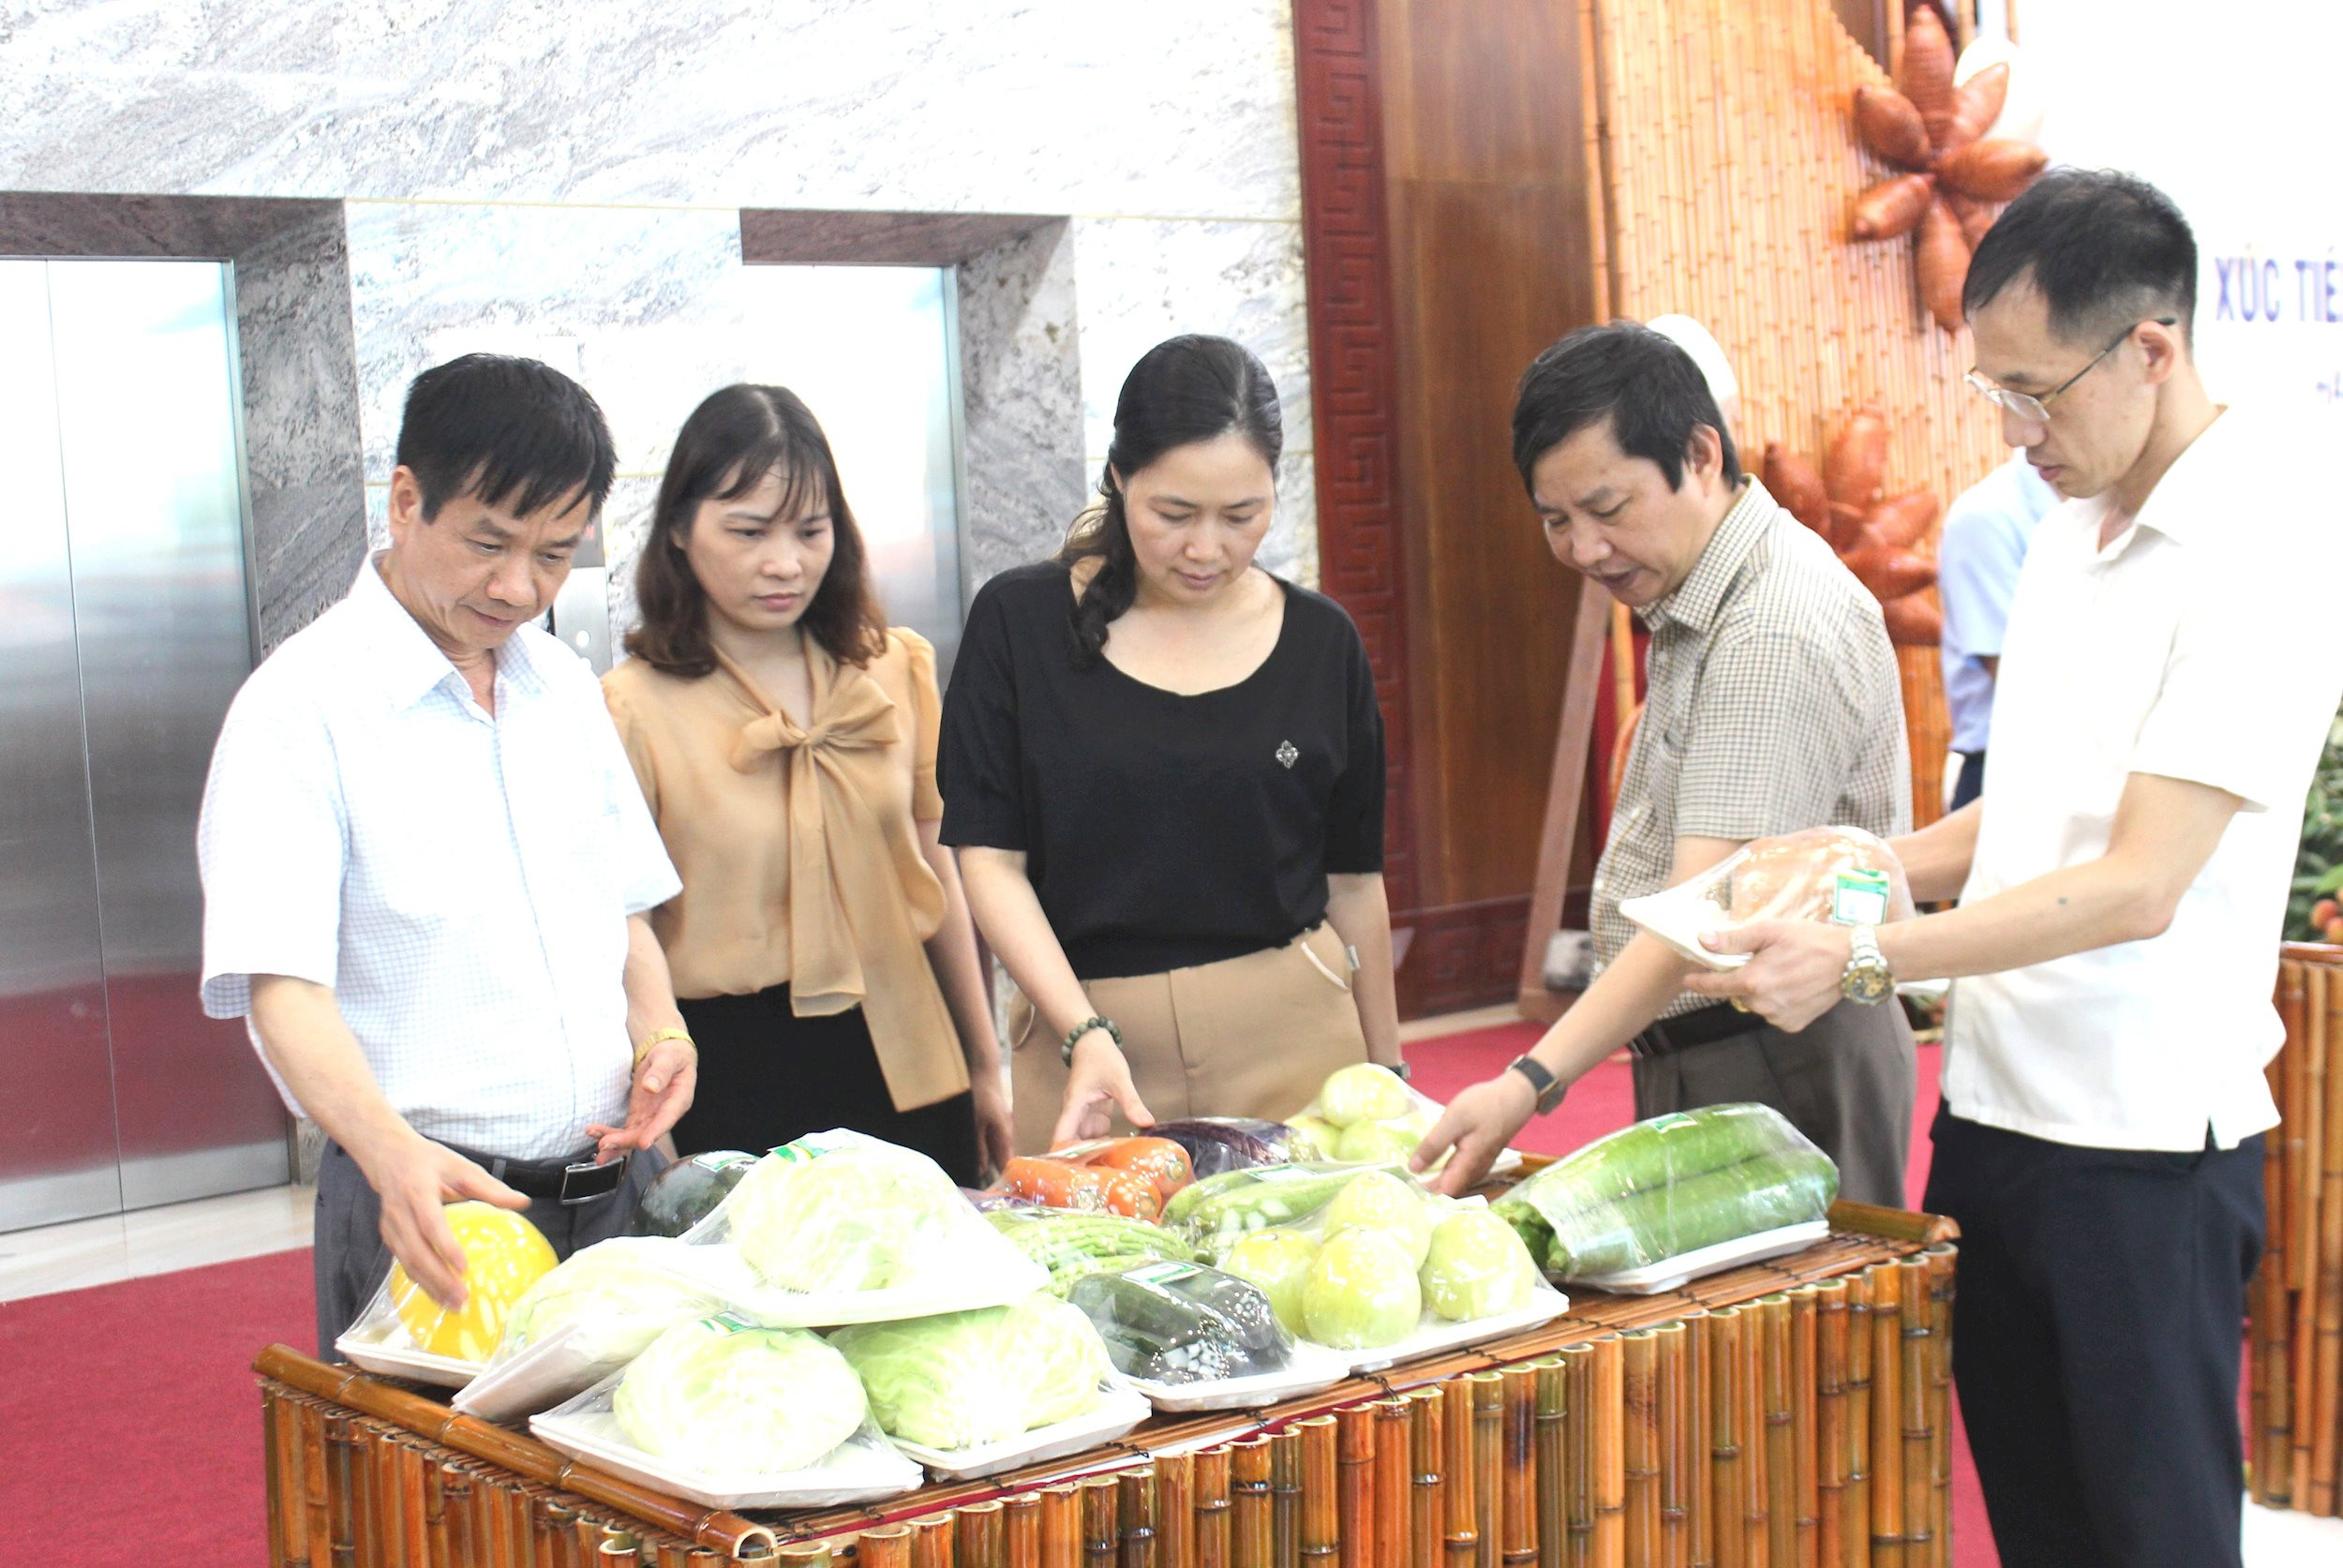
[1772, 703]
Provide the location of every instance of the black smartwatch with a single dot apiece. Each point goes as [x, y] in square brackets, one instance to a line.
[1551, 1089]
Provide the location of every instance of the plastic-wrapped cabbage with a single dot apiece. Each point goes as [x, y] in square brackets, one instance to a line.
[965, 1378]
[614, 1288]
[719, 1393]
[862, 1216]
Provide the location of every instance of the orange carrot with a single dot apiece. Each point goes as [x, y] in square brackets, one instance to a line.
[1886, 122]
[1914, 621]
[1993, 170]
[1793, 482]
[1941, 261]
[1858, 464]
[1891, 207]
[1158, 1161]
[1927, 74]
[1906, 520]
[1060, 1184]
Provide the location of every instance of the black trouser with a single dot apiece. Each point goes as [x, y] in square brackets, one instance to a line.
[1970, 783]
[2095, 1342]
[350, 1260]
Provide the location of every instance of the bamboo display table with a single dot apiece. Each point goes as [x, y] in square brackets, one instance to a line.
[1796, 1412]
[2296, 1302]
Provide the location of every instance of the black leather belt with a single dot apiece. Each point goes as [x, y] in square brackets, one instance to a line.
[1707, 1026]
[567, 1181]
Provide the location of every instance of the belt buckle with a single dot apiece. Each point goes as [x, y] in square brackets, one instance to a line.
[575, 1174]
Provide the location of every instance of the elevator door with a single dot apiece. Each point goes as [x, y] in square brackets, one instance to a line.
[126, 627]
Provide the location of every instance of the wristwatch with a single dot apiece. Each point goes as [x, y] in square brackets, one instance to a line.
[1868, 978]
[1551, 1089]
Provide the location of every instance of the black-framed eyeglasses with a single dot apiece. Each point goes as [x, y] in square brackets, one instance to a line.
[2036, 410]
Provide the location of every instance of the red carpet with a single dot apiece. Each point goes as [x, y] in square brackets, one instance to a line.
[133, 1433]
[1605, 1102]
[129, 1419]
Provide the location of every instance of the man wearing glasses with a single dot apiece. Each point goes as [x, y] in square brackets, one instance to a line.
[2165, 687]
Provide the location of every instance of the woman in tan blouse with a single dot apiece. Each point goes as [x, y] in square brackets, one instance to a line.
[785, 738]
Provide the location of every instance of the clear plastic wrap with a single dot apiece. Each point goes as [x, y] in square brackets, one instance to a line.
[1367, 1114]
[598, 1310]
[1839, 875]
[1178, 1322]
[1668, 1188]
[841, 1228]
[863, 1467]
[970, 1379]
[721, 1392]
[403, 1332]
[1220, 1143]
[1351, 1259]
[1071, 1245]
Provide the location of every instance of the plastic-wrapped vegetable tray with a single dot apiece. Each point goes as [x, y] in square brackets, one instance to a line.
[1120, 1407]
[1669, 1273]
[551, 1370]
[1006, 1277]
[391, 1353]
[1435, 1337]
[1308, 1368]
[863, 1469]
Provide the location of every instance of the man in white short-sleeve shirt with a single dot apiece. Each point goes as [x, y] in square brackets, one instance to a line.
[2165, 688]
[426, 863]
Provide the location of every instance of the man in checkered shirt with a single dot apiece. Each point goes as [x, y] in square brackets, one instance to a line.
[1773, 704]
[428, 866]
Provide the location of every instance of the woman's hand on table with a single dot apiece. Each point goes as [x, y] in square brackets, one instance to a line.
[995, 1143]
[1099, 1085]
[1477, 1126]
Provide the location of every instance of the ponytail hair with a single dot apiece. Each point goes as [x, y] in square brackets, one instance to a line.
[1184, 390]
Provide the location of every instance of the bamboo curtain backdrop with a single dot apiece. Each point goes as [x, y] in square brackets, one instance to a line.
[2297, 1300]
[1727, 155]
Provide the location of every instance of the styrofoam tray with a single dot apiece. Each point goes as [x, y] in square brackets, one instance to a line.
[1310, 1368]
[719, 1267]
[553, 1369]
[1120, 1407]
[1437, 1335]
[1678, 922]
[864, 1468]
[1668, 1273]
[395, 1355]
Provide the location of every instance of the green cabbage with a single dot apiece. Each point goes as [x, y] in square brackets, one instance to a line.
[720, 1394]
[860, 1216]
[964, 1379]
[617, 1289]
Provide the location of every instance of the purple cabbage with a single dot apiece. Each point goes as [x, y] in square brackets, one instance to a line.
[1216, 1145]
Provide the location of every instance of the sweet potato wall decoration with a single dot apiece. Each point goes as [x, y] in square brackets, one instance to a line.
[1889, 543]
[1952, 181]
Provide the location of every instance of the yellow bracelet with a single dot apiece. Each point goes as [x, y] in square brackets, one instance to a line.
[659, 1038]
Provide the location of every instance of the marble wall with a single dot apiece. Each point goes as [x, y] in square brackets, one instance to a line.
[567, 182]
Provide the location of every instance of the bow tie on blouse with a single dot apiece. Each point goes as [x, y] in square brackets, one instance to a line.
[843, 878]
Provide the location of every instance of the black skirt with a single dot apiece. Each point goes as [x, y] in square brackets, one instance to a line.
[767, 1076]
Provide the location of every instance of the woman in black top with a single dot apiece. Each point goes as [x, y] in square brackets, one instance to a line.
[1164, 772]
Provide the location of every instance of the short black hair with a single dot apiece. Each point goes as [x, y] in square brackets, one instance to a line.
[507, 430]
[2104, 249]
[1641, 381]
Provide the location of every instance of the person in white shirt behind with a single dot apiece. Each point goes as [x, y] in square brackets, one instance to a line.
[2164, 688]
[1986, 533]
[428, 867]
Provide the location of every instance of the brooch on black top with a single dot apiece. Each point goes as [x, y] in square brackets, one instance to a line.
[1287, 755]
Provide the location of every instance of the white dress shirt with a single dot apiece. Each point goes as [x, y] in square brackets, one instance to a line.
[2197, 646]
[461, 881]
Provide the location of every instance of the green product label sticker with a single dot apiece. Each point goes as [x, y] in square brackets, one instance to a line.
[1859, 899]
[728, 1322]
[722, 1160]
[1160, 1273]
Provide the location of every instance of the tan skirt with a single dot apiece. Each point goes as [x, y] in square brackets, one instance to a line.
[1246, 1036]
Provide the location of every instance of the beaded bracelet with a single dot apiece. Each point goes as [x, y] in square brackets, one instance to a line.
[1067, 1051]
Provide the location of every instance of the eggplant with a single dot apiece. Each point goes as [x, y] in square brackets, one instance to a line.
[1182, 1323]
[1217, 1144]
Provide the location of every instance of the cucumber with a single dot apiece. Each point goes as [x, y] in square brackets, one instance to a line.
[1761, 1194]
[1181, 1322]
[1655, 1153]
